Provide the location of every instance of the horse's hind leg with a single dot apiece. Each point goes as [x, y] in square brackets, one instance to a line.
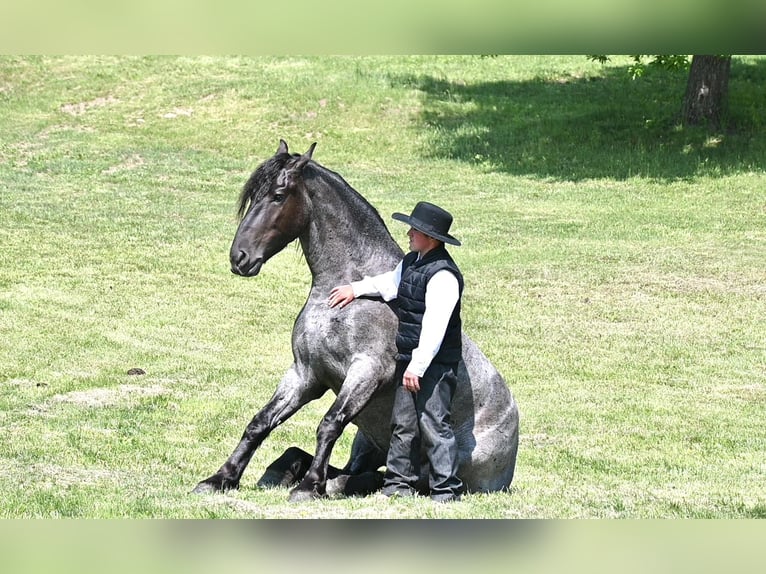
[292, 466]
[365, 456]
[359, 477]
[355, 484]
[288, 469]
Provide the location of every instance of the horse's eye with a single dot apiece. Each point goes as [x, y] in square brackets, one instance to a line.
[279, 196]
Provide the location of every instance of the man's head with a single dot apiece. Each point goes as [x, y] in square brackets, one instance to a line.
[421, 242]
[429, 226]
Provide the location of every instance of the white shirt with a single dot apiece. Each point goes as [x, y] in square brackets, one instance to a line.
[442, 294]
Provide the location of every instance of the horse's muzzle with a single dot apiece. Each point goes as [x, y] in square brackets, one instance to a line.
[242, 264]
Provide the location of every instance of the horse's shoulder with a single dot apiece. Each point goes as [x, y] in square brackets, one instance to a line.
[363, 322]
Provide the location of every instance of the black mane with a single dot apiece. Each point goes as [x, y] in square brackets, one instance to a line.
[360, 203]
[260, 181]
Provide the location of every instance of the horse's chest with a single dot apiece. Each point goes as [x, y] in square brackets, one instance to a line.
[317, 339]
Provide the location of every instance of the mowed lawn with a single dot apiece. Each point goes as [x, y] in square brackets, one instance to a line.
[615, 267]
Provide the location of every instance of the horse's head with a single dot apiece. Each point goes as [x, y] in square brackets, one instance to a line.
[274, 210]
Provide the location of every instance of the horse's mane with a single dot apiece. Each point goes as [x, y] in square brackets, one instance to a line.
[260, 181]
[353, 197]
[266, 173]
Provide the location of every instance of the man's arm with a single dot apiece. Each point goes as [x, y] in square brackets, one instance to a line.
[385, 285]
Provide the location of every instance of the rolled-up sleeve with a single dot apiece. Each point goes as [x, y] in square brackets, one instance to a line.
[385, 285]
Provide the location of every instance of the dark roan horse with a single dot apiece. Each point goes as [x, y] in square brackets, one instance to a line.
[350, 351]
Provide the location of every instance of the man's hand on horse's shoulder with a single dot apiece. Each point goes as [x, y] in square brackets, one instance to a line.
[341, 295]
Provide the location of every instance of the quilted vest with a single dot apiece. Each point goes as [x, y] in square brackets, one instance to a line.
[411, 300]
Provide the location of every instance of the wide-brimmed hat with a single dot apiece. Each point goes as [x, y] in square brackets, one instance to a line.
[431, 220]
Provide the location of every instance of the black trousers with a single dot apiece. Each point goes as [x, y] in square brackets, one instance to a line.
[420, 422]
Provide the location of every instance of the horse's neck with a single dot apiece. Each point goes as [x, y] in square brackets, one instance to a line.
[346, 240]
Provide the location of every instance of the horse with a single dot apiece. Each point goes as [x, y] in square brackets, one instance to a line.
[351, 350]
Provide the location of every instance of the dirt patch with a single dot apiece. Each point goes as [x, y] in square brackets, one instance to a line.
[132, 162]
[101, 397]
[54, 475]
[82, 107]
[178, 112]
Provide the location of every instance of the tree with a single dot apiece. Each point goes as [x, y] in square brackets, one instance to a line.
[707, 88]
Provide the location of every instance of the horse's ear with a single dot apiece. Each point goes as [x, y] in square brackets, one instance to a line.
[305, 158]
[286, 178]
[282, 147]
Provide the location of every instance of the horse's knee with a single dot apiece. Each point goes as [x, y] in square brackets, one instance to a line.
[288, 469]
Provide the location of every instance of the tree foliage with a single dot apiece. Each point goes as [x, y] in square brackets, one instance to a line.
[706, 97]
[642, 61]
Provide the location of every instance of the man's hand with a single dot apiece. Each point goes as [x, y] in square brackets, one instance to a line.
[411, 382]
[341, 295]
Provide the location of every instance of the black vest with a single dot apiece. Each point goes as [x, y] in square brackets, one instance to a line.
[411, 301]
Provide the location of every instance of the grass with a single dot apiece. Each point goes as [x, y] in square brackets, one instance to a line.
[614, 264]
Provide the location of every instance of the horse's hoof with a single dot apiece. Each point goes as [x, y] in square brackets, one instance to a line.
[205, 488]
[304, 495]
[213, 485]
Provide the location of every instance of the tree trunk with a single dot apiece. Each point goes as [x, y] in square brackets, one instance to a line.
[706, 91]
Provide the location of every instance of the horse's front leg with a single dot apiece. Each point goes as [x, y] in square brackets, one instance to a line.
[291, 394]
[362, 380]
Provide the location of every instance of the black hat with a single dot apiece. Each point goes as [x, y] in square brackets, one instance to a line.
[431, 220]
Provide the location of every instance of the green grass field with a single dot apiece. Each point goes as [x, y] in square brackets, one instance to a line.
[615, 269]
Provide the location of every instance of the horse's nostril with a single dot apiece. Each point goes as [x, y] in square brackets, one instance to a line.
[238, 259]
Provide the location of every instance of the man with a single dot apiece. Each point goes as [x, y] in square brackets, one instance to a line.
[428, 286]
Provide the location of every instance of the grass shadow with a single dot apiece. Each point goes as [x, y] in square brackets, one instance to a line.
[608, 125]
